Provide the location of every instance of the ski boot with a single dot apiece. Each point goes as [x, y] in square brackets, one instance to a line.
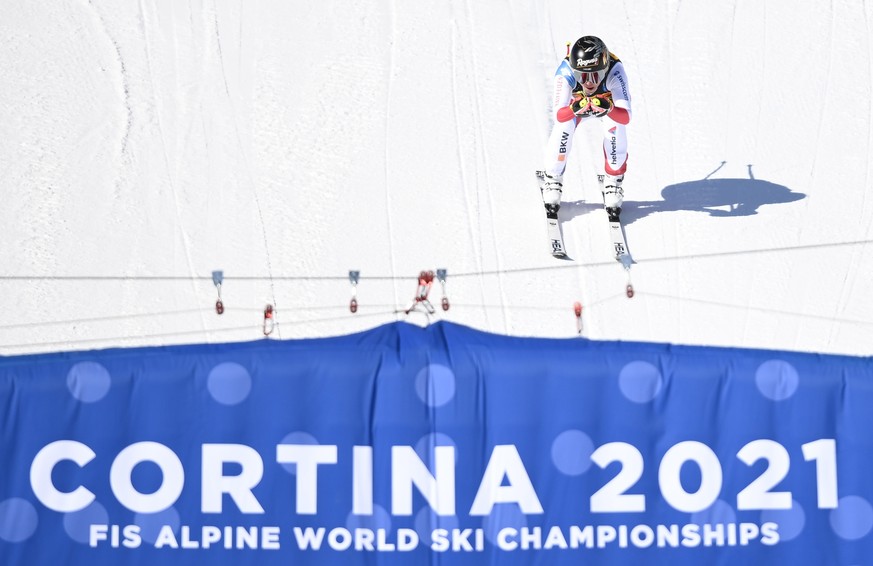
[550, 187]
[613, 196]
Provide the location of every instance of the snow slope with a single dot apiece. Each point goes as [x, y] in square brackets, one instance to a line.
[146, 144]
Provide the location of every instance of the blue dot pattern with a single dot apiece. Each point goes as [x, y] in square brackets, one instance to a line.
[640, 382]
[18, 520]
[791, 521]
[553, 402]
[88, 382]
[571, 452]
[435, 385]
[77, 524]
[229, 383]
[777, 380]
[853, 518]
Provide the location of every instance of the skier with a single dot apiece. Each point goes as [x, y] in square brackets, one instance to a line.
[589, 83]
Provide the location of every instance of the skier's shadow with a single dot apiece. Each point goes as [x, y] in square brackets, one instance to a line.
[717, 197]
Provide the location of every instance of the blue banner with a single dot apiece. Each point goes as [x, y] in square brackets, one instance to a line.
[438, 445]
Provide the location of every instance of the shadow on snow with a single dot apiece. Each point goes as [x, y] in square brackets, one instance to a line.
[717, 197]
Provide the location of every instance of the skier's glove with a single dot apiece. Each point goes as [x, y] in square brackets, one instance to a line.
[598, 105]
[581, 106]
[601, 104]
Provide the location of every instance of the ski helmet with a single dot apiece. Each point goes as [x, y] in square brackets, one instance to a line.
[589, 55]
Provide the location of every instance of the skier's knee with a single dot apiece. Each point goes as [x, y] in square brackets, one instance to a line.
[615, 171]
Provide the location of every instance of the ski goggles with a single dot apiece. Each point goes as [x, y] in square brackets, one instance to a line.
[591, 77]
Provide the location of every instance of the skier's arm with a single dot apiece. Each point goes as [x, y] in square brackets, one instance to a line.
[619, 115]
[617, 83]
[563, 92]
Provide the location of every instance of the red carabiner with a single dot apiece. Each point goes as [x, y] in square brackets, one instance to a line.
[268, 320]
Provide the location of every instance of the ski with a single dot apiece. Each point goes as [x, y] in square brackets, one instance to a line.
[619, 243]
[553, 226]
[619, 246]
[556, 240]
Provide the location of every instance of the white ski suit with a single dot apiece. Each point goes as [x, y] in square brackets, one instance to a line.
[565, 123]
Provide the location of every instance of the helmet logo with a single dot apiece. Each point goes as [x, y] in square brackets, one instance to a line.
[586, 62]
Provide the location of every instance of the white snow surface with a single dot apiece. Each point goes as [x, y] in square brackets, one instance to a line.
[147, 144]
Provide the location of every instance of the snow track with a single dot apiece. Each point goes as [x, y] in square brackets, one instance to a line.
[147, 144]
